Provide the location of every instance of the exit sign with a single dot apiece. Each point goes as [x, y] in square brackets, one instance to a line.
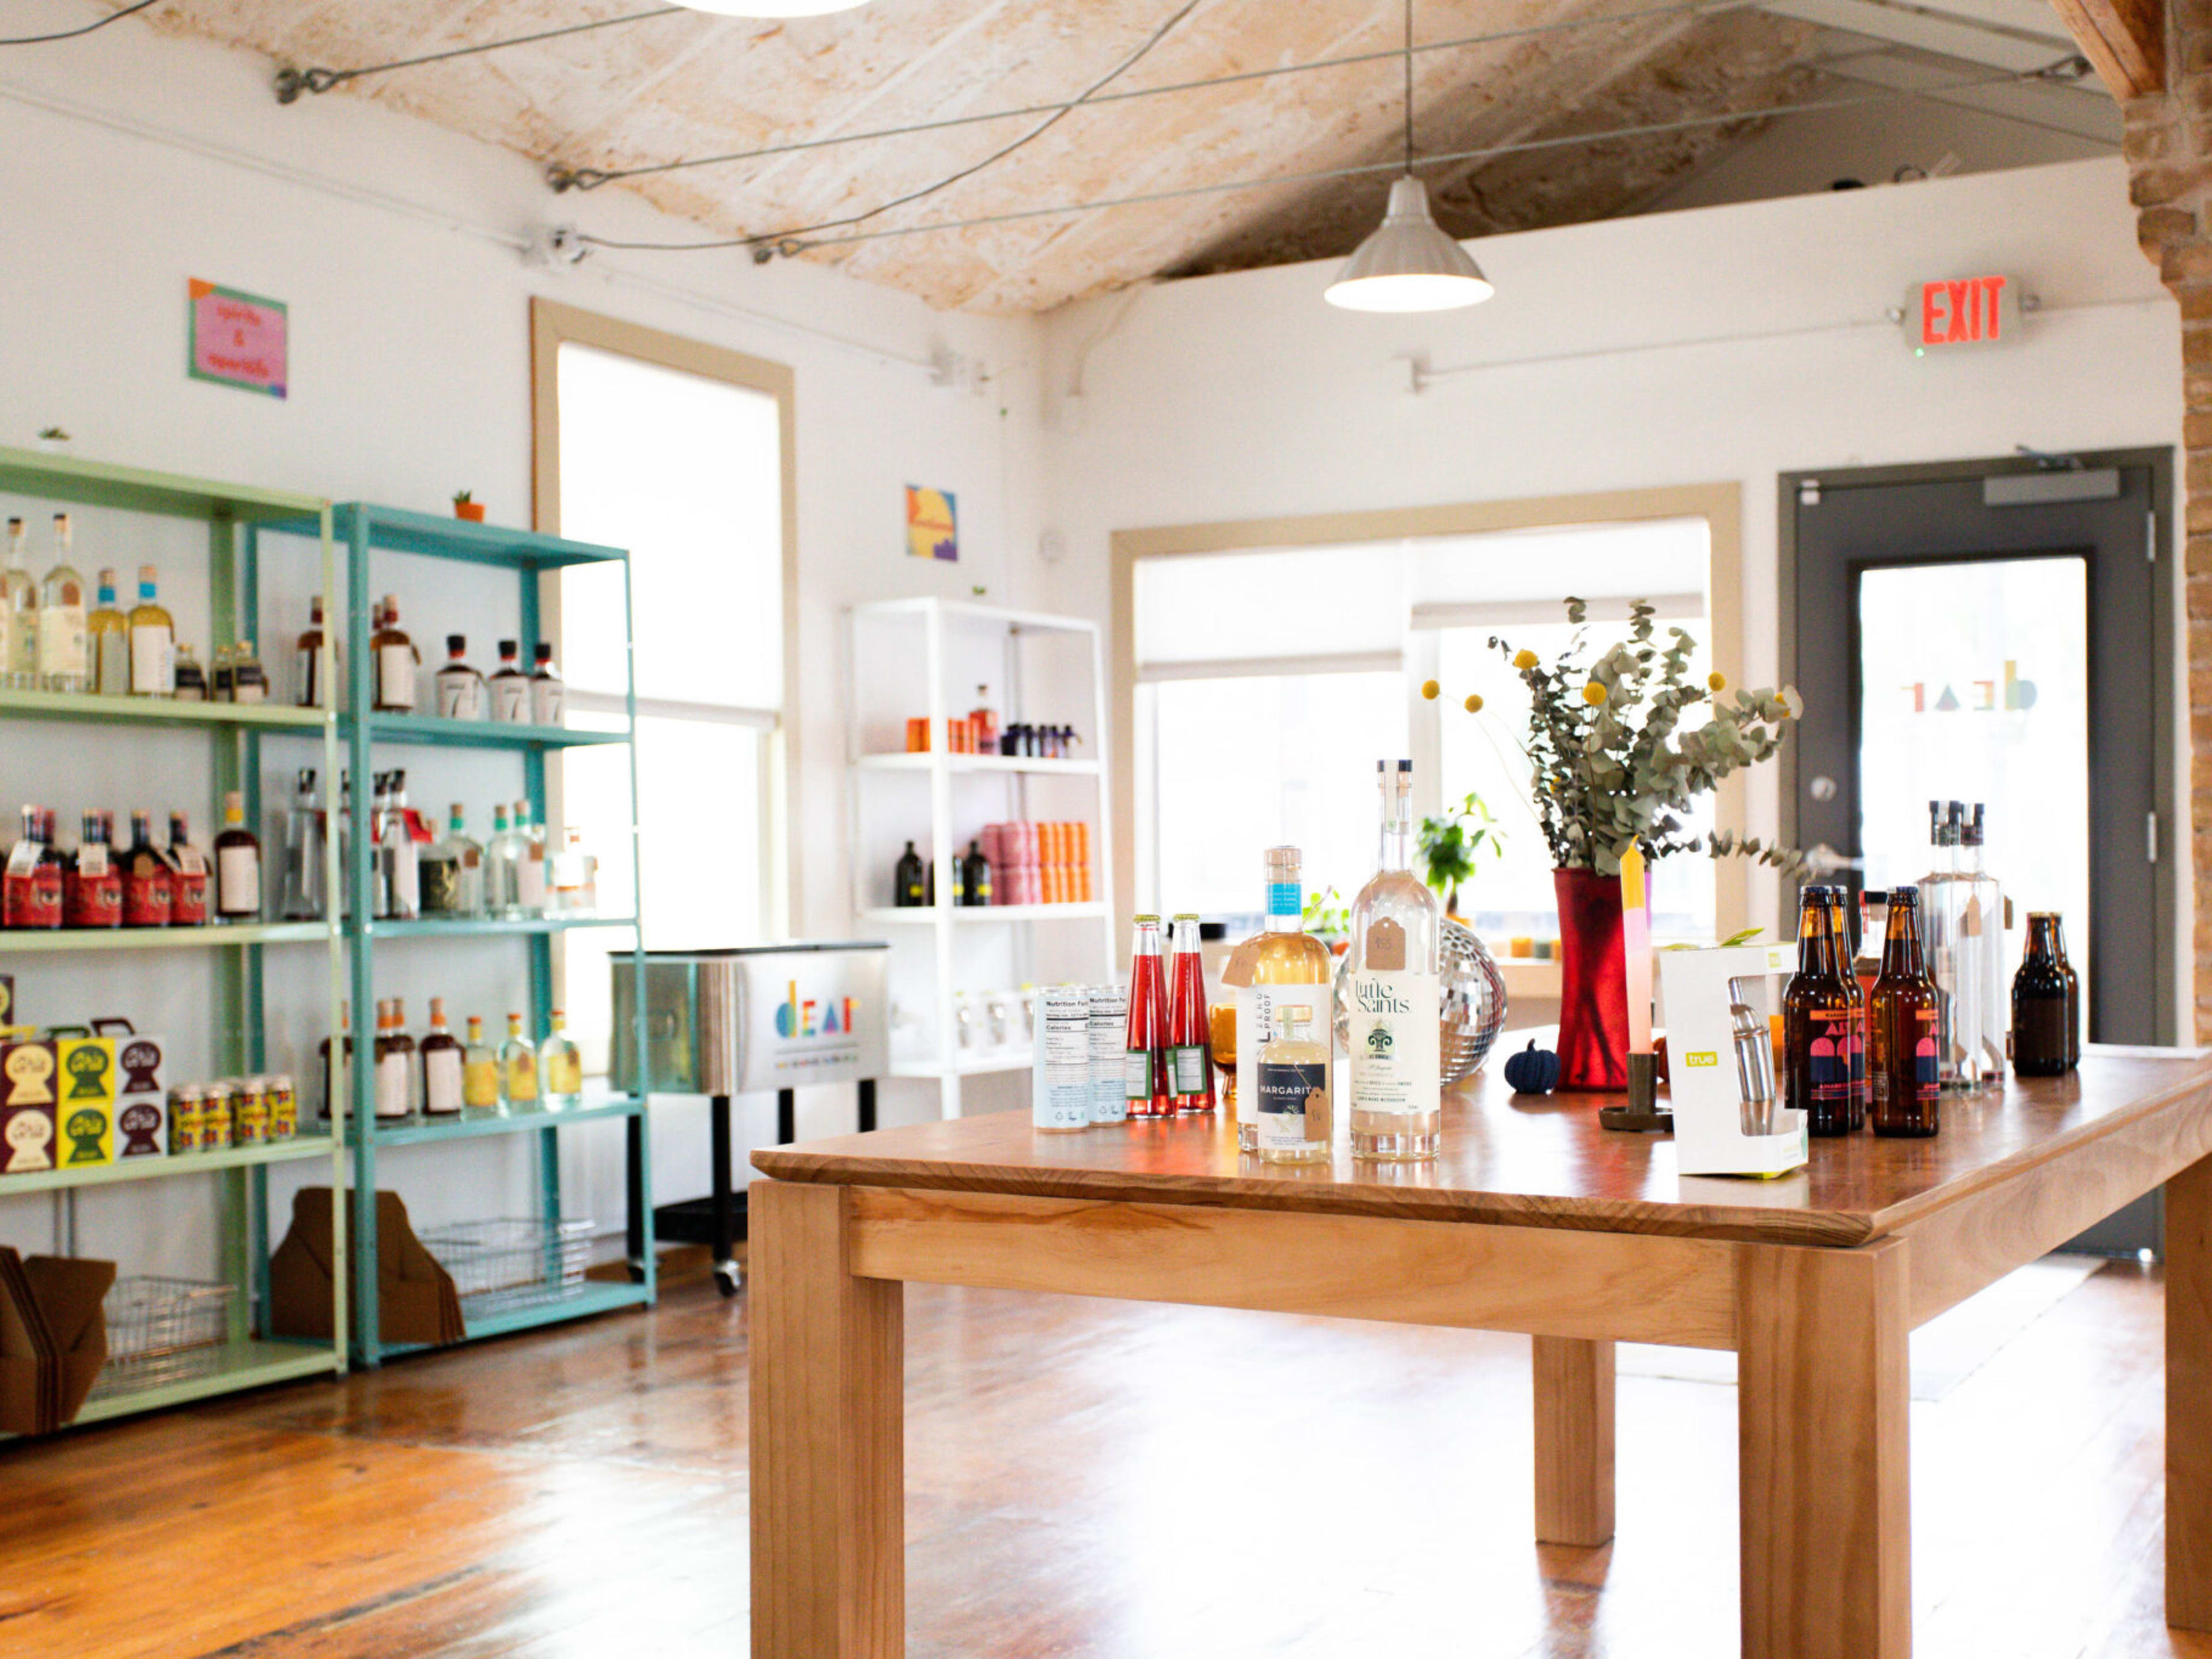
[1962, 310]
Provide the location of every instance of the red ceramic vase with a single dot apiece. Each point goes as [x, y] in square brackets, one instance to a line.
[1593, 981]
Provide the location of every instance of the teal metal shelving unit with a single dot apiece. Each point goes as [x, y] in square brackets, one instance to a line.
[361, 530]
[232, 514]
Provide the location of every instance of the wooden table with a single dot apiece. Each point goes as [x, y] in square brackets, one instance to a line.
[1535, 1220]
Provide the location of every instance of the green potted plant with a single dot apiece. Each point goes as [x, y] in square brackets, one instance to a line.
[1448, 844]
[466, 506]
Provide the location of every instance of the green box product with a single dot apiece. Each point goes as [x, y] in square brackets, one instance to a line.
[85, 1070]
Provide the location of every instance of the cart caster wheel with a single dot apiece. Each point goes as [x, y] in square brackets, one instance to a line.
[636, 1273]
[729, 1278]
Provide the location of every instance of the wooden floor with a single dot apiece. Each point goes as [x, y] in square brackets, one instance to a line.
[1083, 1479]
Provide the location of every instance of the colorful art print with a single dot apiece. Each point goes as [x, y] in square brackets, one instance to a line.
[238, 339]
[932, 524]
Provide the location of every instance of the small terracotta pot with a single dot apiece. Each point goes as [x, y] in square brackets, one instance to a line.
[472, 511]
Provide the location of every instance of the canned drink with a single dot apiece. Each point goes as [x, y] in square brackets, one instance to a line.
[249, 1125]
[283, 1109]
[1110, 1020]
[188, 1121]
[1060, 1087]
[218, 1113]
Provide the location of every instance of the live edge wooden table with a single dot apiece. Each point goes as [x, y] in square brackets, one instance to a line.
[1534, 1219]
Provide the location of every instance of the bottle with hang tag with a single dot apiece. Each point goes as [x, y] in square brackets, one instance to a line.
[237, 865]
[93, 885]
[461, 687]
[153, 642]
[31, 887]
[188, 876]
[146, 878]
[107, 641]
[509, 687]
[395, 663]
[547, 698]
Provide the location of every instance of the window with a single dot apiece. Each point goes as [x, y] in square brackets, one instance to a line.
[662, 453]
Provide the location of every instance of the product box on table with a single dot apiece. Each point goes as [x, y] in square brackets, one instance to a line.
[1718, 1130]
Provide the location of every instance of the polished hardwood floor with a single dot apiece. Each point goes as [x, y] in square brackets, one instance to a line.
[1083, 1478]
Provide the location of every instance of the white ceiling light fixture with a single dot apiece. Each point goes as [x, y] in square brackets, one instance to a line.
[1408, 263]
[771, 8]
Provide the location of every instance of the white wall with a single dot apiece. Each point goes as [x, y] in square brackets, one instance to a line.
[1724, 344]
[136, 161]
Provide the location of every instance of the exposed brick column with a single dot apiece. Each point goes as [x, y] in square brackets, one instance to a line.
[2169, 153]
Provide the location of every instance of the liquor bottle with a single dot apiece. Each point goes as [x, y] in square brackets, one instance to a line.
[190, 678]
[395, 663]
[974, 876]
[31, 886]
[188, 876]
[1390, 990]
[530, 887]
[395, 1076]
[480, 1072]
[442, 1066]
[1940, 906]
[302, 894]
[221, 680]
[499, 865]
[1289, 968]
[547, 696]
[399, 861]
[908, 881]
[153, 641]
[1843, 969]
[335, 1086]
[1297, 1115]
[452, 871]
[308, 659]
[107, 641]
[1190, 1055]
[146, 878]
[2047, 1025]
[19, 600]
[461, 687]
[986, 722]
[1904, 1027]
[1144, 1081]
[64, 665]
[509, 688]
[518, 1069]
[561, 1068]
[92, 886]
[1981, 957]
[249, 680]
[572, 877]
[237, 865]
[1816, 1022]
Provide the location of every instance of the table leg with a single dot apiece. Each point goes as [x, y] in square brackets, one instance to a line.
[1573, 1441]
[2188, 1397]
[1821, 1412]
[828, 1353]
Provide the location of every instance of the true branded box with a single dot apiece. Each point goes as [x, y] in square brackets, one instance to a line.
[84, 1069]
[139, 1062]
[141, 1127]
[6, 999]
[26, 1139]
[27, 1074]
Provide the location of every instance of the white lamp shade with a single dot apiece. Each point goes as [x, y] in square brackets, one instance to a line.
[1408, 263]
[770, 8]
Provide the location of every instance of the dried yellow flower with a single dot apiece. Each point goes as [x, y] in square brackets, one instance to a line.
[1429, 689]
[1715, 681]
[1594, 694]
[1524, 659]
[1474, 702]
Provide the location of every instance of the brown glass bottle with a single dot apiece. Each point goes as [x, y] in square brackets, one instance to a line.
[1816, 1024]
[1903, 1021]
[1844, 950]
[2046, 1026]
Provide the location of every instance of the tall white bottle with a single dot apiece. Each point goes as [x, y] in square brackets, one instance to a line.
[1390, 995]
[63, 659]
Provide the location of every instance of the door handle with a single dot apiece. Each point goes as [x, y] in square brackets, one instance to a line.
[1825, 860]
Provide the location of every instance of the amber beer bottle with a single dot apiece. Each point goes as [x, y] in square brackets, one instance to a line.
[1904, 1024]
[1816, 1024]
[1844, 953]
[2046, 1028]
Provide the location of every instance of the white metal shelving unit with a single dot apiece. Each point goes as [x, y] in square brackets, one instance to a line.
[942, 925]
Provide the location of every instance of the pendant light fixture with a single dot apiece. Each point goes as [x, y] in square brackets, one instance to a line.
[1408, 263]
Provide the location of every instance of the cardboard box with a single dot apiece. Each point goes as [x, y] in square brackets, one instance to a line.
[27, 1074]
[139, 1063]
[85, 1070]
[27, 1139]
[416, 1301]
[141, 1127]
[6, 999]
[53, 1338]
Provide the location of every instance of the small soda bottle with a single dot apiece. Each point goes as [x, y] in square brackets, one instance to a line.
[1144, 1049]
[1190, 1056]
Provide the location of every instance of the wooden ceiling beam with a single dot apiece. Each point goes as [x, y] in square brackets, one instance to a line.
[2124, 40]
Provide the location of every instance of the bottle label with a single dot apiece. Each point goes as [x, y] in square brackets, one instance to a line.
[395, 676]
[460, 695]
[440, 880]
[522, 1078]
[530, 879]
[1829, 1055]
[110, 676]
[1287, 1091]
[306, 661]
[391, 1084]
[1187, 1067]
[146, 899]
[238, 881]
[510, 698]
[480, 1084]
[92, 858]
[153, 660]
[61, 640]
[443, 1089]
[1137, 1074]
[545, 701]
[564, 1071]
[1108, 1023]
[1396, 1051]
[23, 857]
[1284, 899]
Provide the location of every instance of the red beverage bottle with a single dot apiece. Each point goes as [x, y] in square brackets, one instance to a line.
[19, 885]
[1145, 1080]
[188, 876]
[93, 887]
[1190, 1051]
[146, 878]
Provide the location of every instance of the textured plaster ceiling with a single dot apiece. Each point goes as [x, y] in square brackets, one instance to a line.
[687, 85]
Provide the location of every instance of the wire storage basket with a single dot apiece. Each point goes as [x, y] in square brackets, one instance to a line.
[161, 1329]
[511, 1262]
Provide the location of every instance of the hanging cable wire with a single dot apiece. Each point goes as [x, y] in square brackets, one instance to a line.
[71, 34]
[291, 83]
[2064, 72]
[563, 178]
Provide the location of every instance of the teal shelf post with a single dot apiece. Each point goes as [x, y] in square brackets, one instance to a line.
[361, 1075]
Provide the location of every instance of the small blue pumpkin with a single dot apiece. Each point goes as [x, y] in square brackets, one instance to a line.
[1533, 1070]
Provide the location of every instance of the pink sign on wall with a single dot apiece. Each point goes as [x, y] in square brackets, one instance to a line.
[237, 339]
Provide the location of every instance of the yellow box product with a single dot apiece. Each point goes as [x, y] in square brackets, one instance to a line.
[85, 1070]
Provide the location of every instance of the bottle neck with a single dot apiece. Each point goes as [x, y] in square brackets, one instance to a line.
[1285, 906]
[1812, 936]
[1901, 951]
[2043, 945]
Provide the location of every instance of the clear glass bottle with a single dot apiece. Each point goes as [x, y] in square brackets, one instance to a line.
[335, 1088]
[480, 1090]
[547, 694]
[395, 663]
[190, 678]
[531, 888]
[1297, 1111]
[63, 662]
[302, 899]
[461, 687]
[1144, 1081]
[308, 659]
[452, 871]
[518, 1069]
[237, 865]
[153, 641]
[509, 687]
[249, 680]
[19, 598]
[442, 1066]
[1390, 992]
[1939, 916]
[573, 875]
[1981, 959]
[561, 1068]
[1288, 968]
[399, 856]
[1190, 1059]
[500, 854]
[107, 641]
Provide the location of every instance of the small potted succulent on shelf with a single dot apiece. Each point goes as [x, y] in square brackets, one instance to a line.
[54, 439]
[466, 506]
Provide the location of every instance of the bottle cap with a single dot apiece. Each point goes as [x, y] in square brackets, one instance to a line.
[457, 643]
[391, 608]
[437, 1011]
[233, 808]
[107, 584]
[543, 651]
[146, 578]
[508, 647]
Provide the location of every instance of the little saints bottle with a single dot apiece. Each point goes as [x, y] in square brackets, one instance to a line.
[509, 687]
[518, 1069]
[1391, 995]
